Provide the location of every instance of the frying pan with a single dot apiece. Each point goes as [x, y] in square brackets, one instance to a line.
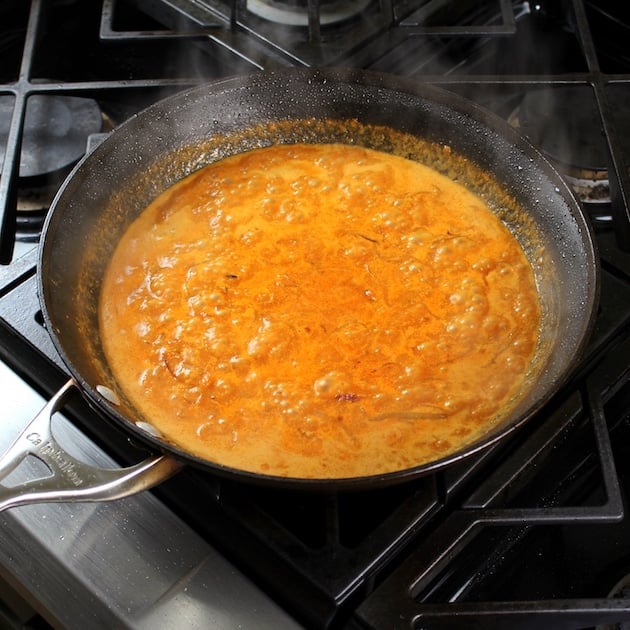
[174, 137]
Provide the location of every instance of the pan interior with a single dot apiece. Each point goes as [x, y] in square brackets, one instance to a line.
[167, 142]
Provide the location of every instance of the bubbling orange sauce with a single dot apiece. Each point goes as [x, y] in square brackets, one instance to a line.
[319, 311]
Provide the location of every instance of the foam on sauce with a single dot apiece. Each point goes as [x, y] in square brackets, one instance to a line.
[319, 311]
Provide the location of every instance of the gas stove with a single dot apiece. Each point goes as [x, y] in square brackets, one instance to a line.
[530, 533]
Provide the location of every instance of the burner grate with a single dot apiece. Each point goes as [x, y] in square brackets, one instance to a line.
[119, 82]
[442, 584]
[468, 545]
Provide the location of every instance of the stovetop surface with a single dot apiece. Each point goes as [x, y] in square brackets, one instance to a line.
[531, 533]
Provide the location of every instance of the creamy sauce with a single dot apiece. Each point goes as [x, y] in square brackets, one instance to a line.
[319, 311]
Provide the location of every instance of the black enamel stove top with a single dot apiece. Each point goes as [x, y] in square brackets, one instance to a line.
[531, 533]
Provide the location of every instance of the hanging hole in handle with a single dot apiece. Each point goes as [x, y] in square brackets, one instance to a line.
[39, 318]
[68, 478]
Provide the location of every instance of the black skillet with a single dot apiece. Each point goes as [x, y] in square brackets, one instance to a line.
[174, 137]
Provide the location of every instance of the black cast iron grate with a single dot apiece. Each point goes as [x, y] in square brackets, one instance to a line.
[488, 536]
[433, 553]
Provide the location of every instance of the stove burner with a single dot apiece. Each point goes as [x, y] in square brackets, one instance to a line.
[56, 129]
[564, 123]
[296, 13]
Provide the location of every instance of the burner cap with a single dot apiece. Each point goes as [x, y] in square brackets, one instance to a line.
[56, 130]
[296, 13]
[564, 122]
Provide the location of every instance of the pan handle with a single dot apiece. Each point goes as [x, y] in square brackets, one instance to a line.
[70, 479]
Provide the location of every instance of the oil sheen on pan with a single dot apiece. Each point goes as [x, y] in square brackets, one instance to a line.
[319, 311]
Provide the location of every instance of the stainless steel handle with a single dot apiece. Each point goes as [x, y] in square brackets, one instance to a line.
[70, 479]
